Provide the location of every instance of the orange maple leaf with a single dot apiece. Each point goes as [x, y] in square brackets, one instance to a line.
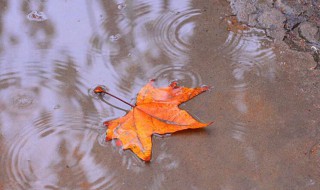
[156, 112]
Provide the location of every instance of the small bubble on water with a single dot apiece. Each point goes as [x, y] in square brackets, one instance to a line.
[23, 101]
[37, 16]
[115, 37]
[102, 140]
[121, 6]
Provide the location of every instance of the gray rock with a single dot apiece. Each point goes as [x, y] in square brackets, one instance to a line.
[288, 7]
[243, 8]
[253, 20]
[309, 32]
[273, 21]
[277, 33]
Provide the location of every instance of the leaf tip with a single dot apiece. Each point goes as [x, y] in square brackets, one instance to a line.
[206, 88]
[147, 158]
[106, 123]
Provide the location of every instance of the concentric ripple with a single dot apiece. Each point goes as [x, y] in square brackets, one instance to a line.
[184, 75]
[250, 56]
[55, 146]
[9, 78]
[48, 129]
[16, 97]
[173, 31]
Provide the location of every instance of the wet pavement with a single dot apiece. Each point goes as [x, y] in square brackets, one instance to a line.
[265, 97]
[294, 22]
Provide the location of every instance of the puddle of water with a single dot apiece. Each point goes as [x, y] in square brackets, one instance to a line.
[51, 133]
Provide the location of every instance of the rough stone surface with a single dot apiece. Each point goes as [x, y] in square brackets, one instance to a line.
[296, 22]
[273, 21]
[309, 32]
[243, 9]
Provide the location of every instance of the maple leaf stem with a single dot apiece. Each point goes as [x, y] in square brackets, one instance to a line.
[100, 90]
[119, 99]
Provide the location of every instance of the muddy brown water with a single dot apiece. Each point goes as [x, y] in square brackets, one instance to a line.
[53, 53]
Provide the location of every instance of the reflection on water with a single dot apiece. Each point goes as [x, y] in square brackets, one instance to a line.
[250, 54]
[136, 39]
[52, 53]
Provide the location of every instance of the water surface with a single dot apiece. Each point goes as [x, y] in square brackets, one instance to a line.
[53, 53]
